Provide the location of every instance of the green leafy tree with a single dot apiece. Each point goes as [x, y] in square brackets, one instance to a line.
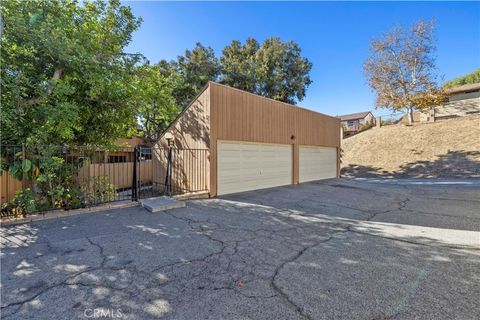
[157, 106]
[473, 77]
[65, 77]
[197, 67]
[239, 65]
[274, 69]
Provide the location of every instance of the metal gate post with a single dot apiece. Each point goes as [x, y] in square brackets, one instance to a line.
[168, 173]
[24, 181]
[134, 182]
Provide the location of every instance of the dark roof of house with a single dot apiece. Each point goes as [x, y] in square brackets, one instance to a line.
[464, 88]
[354, 116]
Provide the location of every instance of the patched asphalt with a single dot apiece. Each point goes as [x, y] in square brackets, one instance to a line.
[334, 249]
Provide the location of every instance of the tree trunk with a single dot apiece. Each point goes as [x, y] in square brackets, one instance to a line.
[410, 115]
[57, 74]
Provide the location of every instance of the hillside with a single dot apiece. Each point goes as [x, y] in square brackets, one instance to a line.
[444, 149]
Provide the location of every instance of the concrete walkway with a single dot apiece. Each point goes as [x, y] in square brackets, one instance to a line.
[325, 250]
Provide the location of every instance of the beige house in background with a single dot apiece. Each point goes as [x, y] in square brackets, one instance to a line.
[461, 101]
[351, 122]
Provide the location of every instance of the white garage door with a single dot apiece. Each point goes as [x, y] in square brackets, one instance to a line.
[244, 166]
[317, 163]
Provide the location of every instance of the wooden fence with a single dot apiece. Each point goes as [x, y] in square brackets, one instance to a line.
[119, 174]
[9, 185]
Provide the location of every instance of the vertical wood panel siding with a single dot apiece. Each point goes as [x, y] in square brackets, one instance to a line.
[191, 130]
[246, 117]
[224, 113]
[241, 116]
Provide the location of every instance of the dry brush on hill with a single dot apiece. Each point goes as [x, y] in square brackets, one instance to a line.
[444, 149]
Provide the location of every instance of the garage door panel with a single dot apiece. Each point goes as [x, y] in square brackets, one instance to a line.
[250, 166]
[317, 163]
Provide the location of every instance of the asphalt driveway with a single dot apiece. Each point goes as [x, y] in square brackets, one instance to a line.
[325, 250]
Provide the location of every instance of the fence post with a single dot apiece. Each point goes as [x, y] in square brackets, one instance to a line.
[24, 182]
[168, 175]
[134, 182]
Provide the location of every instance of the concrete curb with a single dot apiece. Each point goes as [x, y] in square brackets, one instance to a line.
[58, 214]
[161, 204]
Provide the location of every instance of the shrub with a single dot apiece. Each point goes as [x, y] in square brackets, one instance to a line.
[98, 190]
[365, 126]
[24, 203]
[72, 198]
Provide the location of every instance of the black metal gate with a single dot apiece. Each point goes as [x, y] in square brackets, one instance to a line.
[143, 184]
[45, 177]
[36, 178]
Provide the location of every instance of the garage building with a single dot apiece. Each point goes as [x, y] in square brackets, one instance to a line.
[251, 142]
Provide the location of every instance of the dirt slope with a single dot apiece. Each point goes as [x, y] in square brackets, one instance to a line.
[444, 149]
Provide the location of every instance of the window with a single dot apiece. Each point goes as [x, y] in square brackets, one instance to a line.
[145, 153]
[116, 159]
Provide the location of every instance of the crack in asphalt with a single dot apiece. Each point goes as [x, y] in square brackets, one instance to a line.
[46, 289]
[231, 253]
[202, 230]
[279, 290]
[63, 282]
[400, 205]
[272, 279]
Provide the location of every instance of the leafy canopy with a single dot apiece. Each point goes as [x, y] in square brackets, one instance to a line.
[155, 98]
[401, 69]
[274, 69]
[239, 67]
[65, 77]
[196, 67]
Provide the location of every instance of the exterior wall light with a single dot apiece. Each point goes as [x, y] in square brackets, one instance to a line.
[169, 137]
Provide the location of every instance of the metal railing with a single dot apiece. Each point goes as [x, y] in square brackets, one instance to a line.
[46, 177]
[40, 178]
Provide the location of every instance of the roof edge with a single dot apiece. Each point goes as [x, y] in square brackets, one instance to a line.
[285, 103]
[205, 87]
[356, 115]
[470, 87]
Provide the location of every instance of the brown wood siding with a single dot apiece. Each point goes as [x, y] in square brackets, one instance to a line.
[224, 113]
[241, 116]
[191, 130]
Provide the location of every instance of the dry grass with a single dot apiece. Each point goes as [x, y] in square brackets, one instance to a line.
[444, 149]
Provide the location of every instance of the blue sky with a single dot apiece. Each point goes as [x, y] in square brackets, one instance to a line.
[334, 36]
